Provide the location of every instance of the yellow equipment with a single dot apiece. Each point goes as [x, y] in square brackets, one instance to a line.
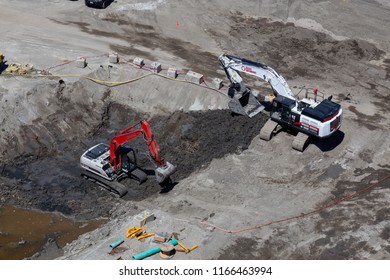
[193, 247]
[184, 247]
[138, 232]
[19, 69]
[186, 250]
[145, 235]
[134, 232]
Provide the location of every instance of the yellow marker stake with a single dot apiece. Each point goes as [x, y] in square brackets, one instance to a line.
[194, 247]
[145, 236]
[184, 247]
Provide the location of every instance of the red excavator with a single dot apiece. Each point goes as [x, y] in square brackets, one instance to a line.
[107, 165]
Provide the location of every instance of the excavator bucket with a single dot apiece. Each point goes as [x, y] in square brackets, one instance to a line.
[164, 172]
[246, 105]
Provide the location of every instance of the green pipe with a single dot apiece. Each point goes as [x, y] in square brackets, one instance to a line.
[116, 243]
[151, 251]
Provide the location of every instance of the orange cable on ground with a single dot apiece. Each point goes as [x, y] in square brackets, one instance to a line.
[333, 203]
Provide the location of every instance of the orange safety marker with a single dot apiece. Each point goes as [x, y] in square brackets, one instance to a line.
[177, 24]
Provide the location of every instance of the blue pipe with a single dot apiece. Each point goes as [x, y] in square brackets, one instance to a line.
[151, 251]
[116, 243]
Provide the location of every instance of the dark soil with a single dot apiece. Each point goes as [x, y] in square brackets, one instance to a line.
[295, 51]
[243, 249]
[192, 140]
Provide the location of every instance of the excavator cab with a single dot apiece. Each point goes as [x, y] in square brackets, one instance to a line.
[130, 166]
[281, 109]
[129, 160]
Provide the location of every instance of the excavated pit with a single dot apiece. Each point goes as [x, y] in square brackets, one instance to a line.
[48, 178]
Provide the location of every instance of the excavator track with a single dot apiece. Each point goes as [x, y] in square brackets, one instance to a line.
[112, 186]
[268, 129]
[300, 141]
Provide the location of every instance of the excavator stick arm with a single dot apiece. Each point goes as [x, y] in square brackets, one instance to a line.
[154, 149]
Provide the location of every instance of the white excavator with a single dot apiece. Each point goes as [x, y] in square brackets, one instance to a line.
[108, 165]
[308, 117]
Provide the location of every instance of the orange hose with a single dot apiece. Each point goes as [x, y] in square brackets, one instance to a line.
[331, 204]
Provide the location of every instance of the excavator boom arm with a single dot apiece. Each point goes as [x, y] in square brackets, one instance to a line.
[232, 65]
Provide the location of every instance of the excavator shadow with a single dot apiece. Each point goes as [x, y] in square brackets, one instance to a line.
[330, 143]
[267, 106]
[148, 172]
[166, 186]
[325, 144]
[137, 192]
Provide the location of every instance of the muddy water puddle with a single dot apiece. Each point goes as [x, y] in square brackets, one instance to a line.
[24, 232]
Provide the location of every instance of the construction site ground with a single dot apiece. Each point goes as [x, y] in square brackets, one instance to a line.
[235, 195]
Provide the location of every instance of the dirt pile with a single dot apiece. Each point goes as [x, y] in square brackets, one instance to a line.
[192, 140]
[296, 51]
